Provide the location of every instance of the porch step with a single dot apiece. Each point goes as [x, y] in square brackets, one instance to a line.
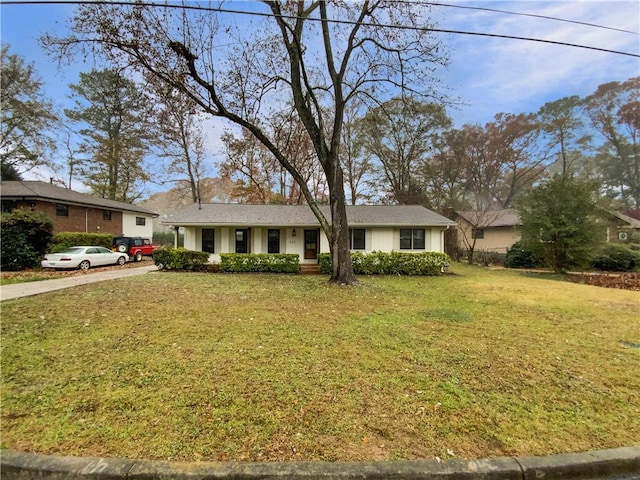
[309, 269]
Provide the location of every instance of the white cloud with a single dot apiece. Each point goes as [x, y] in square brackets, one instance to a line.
[495, 75]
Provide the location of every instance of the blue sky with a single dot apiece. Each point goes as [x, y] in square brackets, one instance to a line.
[489, 75]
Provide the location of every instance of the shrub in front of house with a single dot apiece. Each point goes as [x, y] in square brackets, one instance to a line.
[518, 256]
[63, 240]
[25, 237]
[616, 258]
[260, 262]
[392, 263]
[180, 259]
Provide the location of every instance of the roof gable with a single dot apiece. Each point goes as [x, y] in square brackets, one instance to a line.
[48, 192]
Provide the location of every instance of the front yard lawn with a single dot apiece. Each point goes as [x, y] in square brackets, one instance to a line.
[200, 366]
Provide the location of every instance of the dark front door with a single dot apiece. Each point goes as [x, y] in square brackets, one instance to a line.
[311, 244]
[242, 240]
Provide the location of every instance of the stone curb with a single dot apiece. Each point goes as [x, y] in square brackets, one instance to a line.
[615, 464]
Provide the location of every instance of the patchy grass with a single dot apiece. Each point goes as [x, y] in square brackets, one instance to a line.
[266, 367]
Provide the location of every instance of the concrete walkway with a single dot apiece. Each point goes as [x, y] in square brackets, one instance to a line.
[26, 289]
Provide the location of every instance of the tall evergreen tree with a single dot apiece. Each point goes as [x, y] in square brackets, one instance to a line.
[115, 136]
[559, 222]
[27, 118]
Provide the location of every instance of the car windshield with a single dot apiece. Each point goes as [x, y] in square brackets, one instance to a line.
[72, 250]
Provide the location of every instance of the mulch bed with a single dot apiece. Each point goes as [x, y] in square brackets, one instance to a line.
[625, 281]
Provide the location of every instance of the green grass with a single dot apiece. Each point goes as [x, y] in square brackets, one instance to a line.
[266, 367]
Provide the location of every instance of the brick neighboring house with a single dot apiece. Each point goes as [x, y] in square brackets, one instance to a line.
[77, 212]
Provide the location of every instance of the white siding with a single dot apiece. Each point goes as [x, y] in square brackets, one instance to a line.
[130, 229]
[383, 239]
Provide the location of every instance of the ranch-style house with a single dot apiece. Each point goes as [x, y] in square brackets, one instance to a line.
[242, 228]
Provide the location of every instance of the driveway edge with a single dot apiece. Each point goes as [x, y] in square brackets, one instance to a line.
[615, 464]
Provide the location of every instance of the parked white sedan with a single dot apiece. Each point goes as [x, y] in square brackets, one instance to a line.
[83, 258]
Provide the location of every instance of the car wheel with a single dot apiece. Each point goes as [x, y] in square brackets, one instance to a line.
[122, 260]
[138, 257]
[122, 248]
[84, 265]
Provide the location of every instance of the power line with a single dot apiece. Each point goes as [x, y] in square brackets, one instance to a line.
[520, 14]
[340, 22]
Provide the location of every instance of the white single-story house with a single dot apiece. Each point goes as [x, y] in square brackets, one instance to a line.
[242, 228]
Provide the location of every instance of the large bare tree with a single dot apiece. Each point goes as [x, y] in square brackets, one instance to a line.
[315, 55]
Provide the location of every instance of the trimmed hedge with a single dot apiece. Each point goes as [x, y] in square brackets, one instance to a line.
[260, 262]
[180, 259]
[392, 263]
[63, 240]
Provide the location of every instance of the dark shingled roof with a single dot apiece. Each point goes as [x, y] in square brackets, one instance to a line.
[492, 218]
[221, 214]
[36, 190]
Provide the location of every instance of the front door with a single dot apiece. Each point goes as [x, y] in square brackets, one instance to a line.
[311, 244]
[242, 240]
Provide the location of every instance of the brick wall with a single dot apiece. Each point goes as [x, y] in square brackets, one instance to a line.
[81, 219]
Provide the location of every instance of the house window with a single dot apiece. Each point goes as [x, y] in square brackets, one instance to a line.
[273, 240]
[356, 239]
[106, 215]
[62, 210]
[9, 206]
[242, 240]
[208, 238]
[141, 221]
[477, 233]
[412, 238]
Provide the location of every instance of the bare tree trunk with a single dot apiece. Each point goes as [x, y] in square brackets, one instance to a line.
[342, 268]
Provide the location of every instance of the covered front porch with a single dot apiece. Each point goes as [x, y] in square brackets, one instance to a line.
[305, 241]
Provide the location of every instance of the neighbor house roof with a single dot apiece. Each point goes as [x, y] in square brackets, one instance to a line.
[36, 190]
[630, 221]
[221, 214]
[491, 218]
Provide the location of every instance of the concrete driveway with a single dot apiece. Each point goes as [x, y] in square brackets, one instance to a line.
[26, 289]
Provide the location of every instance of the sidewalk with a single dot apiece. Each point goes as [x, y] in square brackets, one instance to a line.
[26, 289]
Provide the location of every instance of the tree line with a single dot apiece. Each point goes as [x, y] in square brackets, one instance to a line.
[402, 151]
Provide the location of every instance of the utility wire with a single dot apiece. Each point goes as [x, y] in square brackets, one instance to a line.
[520, 14]
[340, 22]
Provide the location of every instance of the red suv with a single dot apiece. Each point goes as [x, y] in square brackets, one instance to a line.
[136, 247]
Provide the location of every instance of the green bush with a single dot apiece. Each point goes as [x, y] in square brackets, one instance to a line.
[393, 263]
[25, 237]
[616, 258]
[518, 256]
[180, 259]
[260, 262]
[63, 240]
